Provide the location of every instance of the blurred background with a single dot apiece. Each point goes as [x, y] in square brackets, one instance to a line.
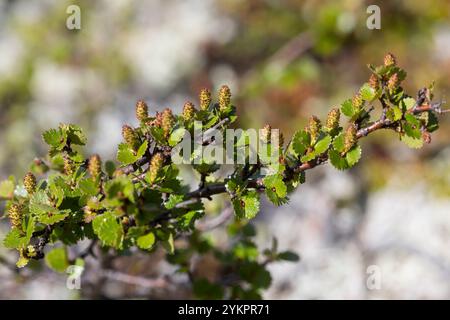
[284, 60]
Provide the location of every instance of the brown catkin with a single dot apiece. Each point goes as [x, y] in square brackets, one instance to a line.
[205, 99]
[389, 60]
[373, 82]
[393, 82]
[265, 133]
[168, 121]
[130, 136]
[350, 137]
[141, 110]
[29, 182]
[69, 167]
[189, 111]
[314, 127]
[224, 97]
[95, 166]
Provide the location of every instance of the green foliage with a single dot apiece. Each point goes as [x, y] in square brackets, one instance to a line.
[57, 260]
[142, 201]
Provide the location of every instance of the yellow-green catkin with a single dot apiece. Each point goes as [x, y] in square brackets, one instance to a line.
[205, 99]
[141, 110]
[389, 60]
[29, 182]
[333, 118]
[314, 127]
[155, 166]
[130, 136]
[69, 167]
[95, 166]
[373, 81]
[393, 82]
[357, 102]
[350, 137]
[265, 133]
[189, 111]
[224, 98]
[15, 216]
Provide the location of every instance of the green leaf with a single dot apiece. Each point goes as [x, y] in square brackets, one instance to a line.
[322, 145]
[146, 242]
[203, 289]
[347, 108]
[338, 143]
[88, 187]
[42, 209]
[110, 167]
[108, 229]
[414, 143]
[394, 113]
[300, 142]
[353, 155]
[142, 149]
[75, 134]
[54, 138]
[409, 103]
[6, 189]
[176, 136]
[337, 160]
[14, 240]
[276, 189]
[125, 154]
[432, 122]
[288, 256]
[367, 92]
[169, 244]
[57, 259]
[173, 200]
[186, 222]
[158, 134]
[247, 206]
